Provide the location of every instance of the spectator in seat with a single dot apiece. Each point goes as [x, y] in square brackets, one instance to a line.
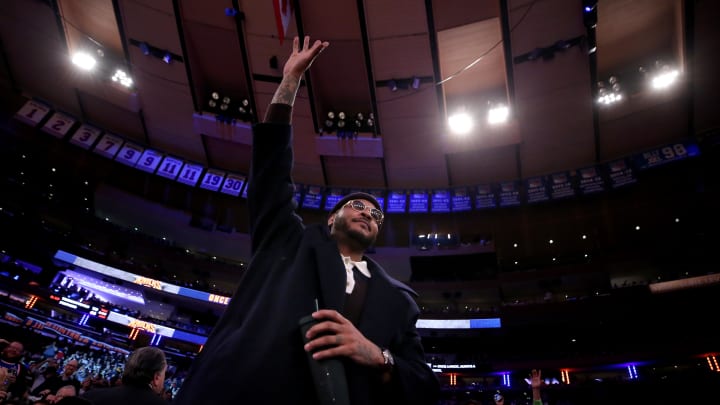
[10, 360]
[142, 381]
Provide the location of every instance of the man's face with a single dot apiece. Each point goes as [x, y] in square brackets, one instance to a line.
[358, 226]
[70, 368]
[13, 351]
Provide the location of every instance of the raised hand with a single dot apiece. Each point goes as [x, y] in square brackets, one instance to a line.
[299, 61]
[301, 58]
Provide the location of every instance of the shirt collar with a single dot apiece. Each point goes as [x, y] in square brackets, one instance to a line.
[361, 265]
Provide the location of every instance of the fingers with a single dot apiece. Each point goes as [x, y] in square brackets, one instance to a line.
[306, 44]
[330, 315]
[296, 43]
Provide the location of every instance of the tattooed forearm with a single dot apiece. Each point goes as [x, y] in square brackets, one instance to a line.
[286, 91]
[369, 353]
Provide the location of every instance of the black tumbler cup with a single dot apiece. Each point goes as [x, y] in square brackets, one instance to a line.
[328, 374]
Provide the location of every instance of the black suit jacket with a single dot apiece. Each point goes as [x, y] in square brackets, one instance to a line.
[255, 353]
[124, 395]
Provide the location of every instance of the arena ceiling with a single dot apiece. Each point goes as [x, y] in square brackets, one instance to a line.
[409, 63]
[541, 58]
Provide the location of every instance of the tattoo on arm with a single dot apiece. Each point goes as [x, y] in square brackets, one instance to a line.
[367, 353]
[286, 91]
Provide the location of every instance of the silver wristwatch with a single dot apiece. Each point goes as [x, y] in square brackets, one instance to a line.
[388, 357]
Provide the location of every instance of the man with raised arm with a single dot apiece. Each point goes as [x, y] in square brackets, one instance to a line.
[256, 353]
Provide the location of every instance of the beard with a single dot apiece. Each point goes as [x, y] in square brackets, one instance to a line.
[341, 228]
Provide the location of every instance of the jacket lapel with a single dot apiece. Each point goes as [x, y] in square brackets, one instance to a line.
[331, 275]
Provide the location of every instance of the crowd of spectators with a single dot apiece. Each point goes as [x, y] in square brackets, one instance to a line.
[38, 370]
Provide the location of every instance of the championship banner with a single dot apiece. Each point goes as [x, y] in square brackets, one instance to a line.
[379, 196]
[590, 180]
[313, 197]
[562, 185]
[298, 191]
[460, 199]
[440, 201]
[397, 202]
[509, 194]
[419, 201]
[620, 173]
[536, 190]
[486, 196]
[332, 197]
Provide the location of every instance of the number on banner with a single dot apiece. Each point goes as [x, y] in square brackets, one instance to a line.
[129, 154]
[32, 112]
[674, 151]
[233, 184]
[190, 174]
[85, 136]
[59, 124]
[212, 180]
[109, 145]
[170, 167]
[149, 161]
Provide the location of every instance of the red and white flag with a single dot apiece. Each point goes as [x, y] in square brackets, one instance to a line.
[283, 13]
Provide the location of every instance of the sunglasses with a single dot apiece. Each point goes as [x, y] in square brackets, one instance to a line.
[360, 206]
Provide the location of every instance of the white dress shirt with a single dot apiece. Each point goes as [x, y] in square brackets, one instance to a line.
[349, 264]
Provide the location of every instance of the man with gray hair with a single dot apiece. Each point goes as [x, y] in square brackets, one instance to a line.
[142, 381]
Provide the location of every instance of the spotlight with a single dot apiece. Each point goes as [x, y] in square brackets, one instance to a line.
[498, 114]
[230, 12]
[392, 85]
[215, 95]
[665, 78]
[145, 48]
[83, 60]
[167, 58]
[121, 77]
[415, 83]
[460, 123]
